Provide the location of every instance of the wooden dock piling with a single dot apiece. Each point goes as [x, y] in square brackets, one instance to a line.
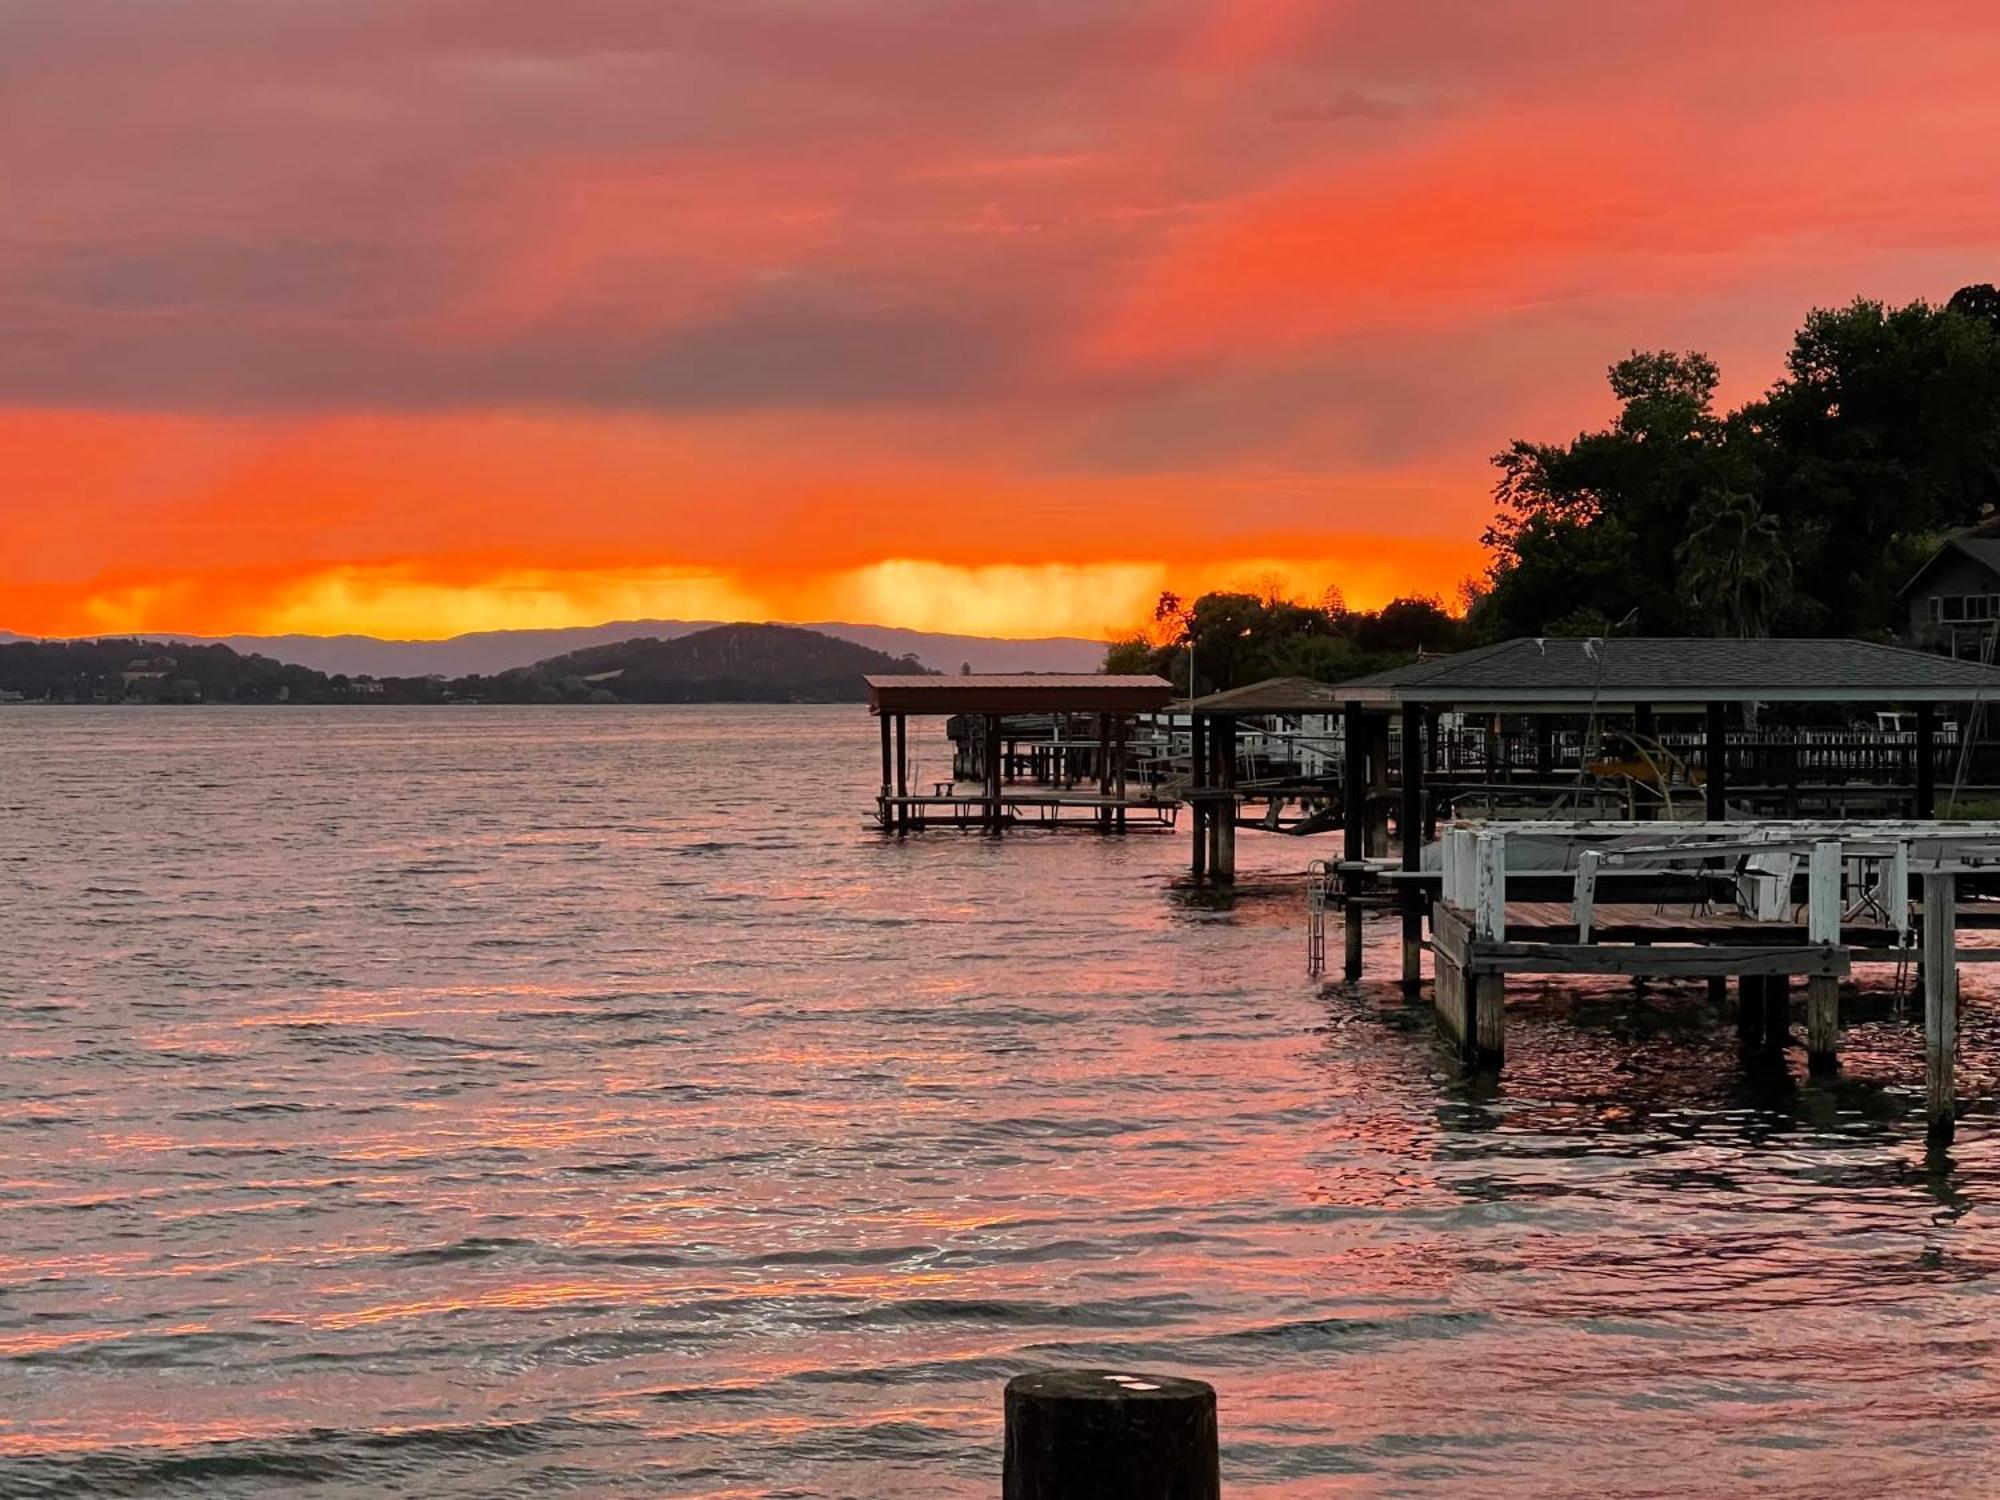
[902, 772]
[992, 769]
[1777, 1013]
[1107, 1435]
[1823, 903]
[1471, 997]
[1940, 1005]
[1222, 813]
[1750, 1010]
[1410, 830]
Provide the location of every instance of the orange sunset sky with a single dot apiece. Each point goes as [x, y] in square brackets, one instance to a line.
[422, 316]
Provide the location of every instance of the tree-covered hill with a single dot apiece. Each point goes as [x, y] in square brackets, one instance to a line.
[726, 664]
[729, 664]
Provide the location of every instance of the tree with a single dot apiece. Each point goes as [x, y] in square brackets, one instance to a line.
[1886, 424]
[1735, 565]
[1798, 513]
[1589, 528]
[1237, 638]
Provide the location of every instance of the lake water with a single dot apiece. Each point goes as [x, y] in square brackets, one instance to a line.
[488, 1101]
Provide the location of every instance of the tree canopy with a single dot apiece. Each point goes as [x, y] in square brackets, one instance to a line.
[1801, 512]
[1241, 638]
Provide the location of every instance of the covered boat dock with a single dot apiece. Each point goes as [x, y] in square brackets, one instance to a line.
[1737, 877]
[987, 700]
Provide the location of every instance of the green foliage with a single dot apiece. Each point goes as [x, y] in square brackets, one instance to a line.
[1242, 638]
[1799, 513]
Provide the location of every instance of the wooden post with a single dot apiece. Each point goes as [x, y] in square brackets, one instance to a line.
[1451, 942]
[1777, 1012]
[1198, 783]
[1823, 927]
[904, 817]
[1489, 991]
[1645, 728]
[1717, 757]
[888, 775]
[1225, 810]
[992, 773]
[1926, 760]
[1940, 1004]
[1583, 903]
[1354, 833]
[1410, 829]
[1104, 772]
[1750, 1009]
[1121, 725]
[1431, 775]
[1377, 814]
[1104, 1435]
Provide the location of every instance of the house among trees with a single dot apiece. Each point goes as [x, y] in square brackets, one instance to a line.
[145, 669]
[1953, 600]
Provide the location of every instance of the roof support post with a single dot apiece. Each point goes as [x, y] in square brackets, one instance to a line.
[1104, 773]
[1410, 823]
[1716, 762]
[1121, 733]
[992, 769]
[1353, 783]
[1198, 783]
[1926, 768]
[904, 818]
[888, 775]
[1222, 854]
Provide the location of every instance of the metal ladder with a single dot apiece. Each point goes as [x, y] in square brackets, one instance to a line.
[1319, 887]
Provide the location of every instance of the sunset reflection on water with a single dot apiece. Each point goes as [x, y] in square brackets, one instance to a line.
[490, 1100]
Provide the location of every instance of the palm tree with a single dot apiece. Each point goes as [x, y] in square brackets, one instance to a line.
[1734, 564]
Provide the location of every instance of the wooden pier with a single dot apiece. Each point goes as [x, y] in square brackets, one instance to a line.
[981, 707]
[1737, 917]
[1739, 897]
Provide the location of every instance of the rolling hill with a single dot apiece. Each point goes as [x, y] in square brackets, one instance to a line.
[728, 664]
[491, 651]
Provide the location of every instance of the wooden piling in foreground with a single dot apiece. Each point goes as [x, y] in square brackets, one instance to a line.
[1109, 1435]
[1940, 1005]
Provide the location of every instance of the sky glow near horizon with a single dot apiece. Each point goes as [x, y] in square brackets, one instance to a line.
[415, 319]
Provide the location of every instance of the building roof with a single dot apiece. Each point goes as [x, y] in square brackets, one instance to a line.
[1274, 695]
[1983, 550]
[1018, 693]
[1561, 673]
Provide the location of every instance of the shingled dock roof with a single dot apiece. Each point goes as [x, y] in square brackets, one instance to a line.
[1019, 693]
[1556, 673]
[1274, 695]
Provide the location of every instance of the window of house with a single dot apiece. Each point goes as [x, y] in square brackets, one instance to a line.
[1964, 609]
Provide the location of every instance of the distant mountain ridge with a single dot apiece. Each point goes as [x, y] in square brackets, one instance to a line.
[723, 664]
[490, 651]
